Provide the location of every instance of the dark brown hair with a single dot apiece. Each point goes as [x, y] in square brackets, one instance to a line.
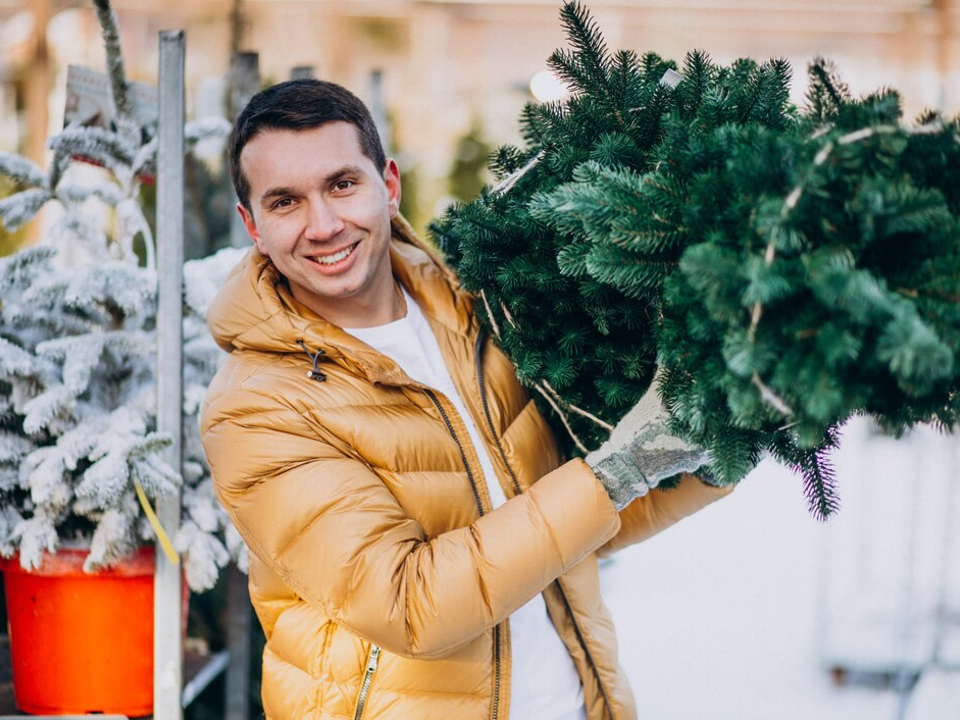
[300, 105]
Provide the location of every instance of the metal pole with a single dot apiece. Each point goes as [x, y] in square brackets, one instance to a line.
[237, 699]
[947, 563]
[378, 108]
[909, 617]
[244, 80]
[303, 72]
[168, 590]
[244, 84]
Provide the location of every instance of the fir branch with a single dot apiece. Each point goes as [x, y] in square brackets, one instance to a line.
[109, 195]
[580, 411]
[819, 484]
[826, 93]
[793, 199]
[145, 160]
[112, 539]
[770, 396]
[9, 519]
[47, 407]
[20, 270]
[33, 537]
[509, 182]
[13, 448]
[20, 208]
[203, 555]
[588, 66]
[507, 316]
[22, 171]
[119, 89]
[490, 317]
[563, 418]
[699, 74]
[105, 147]
[205, 128]
[16, 361]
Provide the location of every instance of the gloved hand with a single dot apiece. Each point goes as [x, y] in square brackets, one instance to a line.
[640, 452]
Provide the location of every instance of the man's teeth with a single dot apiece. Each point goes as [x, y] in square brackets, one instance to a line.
[335, 258]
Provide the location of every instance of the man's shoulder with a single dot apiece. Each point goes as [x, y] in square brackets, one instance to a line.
[255, 381]
[248, 382]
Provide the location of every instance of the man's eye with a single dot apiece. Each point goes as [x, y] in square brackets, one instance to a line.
[283, 202]
[344, 184]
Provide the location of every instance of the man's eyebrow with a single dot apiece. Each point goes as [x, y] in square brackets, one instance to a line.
[337, 174]
[340, 172]
[276, 192]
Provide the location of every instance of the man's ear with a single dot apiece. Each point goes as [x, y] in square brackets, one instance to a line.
[391, 178]
[251, 227]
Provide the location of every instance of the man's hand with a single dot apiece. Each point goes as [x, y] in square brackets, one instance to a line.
[640, 452]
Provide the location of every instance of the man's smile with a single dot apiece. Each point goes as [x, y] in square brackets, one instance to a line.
[335, 259]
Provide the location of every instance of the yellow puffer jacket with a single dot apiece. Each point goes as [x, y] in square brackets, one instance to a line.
[382, 578]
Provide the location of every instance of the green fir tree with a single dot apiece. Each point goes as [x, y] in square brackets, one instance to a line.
[787, 269]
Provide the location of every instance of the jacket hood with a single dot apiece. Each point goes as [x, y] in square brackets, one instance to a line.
[255, 309]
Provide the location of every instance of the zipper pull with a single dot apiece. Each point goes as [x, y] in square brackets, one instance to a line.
[374, 658]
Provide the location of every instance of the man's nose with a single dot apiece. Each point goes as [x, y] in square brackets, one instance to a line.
[323, 221]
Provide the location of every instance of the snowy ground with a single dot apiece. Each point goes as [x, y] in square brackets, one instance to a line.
[735, 613]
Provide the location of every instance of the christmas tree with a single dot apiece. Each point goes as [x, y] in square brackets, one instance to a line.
[79, 453]
[785, 268]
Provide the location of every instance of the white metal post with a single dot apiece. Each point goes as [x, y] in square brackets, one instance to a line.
[168, 590]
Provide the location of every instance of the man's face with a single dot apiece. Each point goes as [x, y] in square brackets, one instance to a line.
[321, 211]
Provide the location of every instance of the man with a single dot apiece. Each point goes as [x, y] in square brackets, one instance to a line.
[418, 549]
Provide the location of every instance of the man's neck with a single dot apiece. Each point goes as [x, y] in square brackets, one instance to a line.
[388, 305]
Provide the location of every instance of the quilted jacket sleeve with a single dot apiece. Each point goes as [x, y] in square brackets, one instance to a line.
[659, 509]
[330, 528]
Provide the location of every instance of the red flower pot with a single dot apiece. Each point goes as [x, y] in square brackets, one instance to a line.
[82, 642]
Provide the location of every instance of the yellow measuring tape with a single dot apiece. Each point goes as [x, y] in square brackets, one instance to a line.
[162, 536]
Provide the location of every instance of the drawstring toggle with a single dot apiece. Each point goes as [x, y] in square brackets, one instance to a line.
[316, 373]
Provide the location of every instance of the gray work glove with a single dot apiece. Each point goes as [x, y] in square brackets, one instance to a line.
[640, 452]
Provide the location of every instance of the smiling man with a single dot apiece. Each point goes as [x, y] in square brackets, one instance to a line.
[418, 548]
[321, 210]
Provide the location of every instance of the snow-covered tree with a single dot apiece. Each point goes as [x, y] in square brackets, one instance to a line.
[78, 348]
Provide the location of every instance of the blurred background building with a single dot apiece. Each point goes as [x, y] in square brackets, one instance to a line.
[454, 74]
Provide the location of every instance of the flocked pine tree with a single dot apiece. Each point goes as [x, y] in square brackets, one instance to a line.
[77, 354]
[786, 268]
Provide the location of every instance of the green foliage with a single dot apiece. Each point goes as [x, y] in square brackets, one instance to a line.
[787, 269]
[469, 170]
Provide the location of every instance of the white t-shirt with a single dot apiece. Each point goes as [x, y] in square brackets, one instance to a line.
[544, 681]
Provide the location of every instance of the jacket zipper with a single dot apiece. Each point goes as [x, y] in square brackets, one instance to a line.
[486, 409]
[463, 455]
[516, 485]
[583, 644]
[373, 659]
[476, 495]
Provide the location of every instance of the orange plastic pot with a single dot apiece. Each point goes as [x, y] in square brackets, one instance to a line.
[80, 642]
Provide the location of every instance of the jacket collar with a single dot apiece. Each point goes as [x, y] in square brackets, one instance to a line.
[255, 310]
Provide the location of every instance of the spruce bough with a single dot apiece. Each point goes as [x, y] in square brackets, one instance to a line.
[787, 268]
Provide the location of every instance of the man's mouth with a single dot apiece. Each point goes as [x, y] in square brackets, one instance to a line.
[334, 258]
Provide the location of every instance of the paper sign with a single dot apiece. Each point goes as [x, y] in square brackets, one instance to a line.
[89, 102]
